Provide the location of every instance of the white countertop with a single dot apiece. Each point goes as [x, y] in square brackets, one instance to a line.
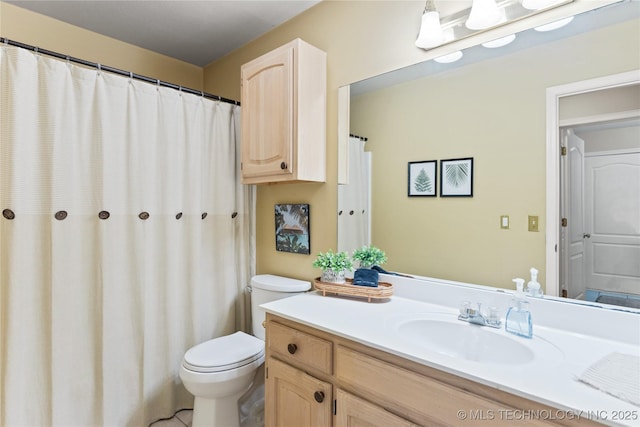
[550, 379]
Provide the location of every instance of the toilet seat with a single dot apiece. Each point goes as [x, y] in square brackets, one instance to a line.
[224, 353]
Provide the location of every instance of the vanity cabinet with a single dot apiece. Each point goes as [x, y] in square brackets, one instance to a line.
[354, 411]
[297, 398]
[313, 375]
[284, 115]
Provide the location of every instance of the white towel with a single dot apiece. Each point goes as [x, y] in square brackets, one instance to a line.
[617, 374]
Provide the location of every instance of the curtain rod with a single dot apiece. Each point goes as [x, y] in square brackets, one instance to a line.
[361, 138]
[36, 49]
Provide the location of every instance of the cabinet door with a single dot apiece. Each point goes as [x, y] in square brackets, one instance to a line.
[294, 398]
[351, 411]
[267, 114]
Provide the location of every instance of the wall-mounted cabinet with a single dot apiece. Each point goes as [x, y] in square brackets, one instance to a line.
[284, 115]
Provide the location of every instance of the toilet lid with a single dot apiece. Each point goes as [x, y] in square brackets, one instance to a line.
[224, 353]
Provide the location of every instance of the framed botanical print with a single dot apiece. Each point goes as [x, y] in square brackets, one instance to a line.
[422, 179]
[456, 177]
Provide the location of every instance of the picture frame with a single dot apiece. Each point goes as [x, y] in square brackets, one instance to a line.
[456, 177]
[292, 228]
[422, 178]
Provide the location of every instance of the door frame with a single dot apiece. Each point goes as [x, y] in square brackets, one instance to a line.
[552, 220]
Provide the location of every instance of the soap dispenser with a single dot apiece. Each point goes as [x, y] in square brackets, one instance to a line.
[533, 287]
[518, 320]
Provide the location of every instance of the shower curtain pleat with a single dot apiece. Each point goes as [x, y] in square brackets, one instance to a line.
[132, 241]
[353, 200]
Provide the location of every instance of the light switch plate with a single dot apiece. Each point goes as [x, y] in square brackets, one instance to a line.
[504, 222]
[533, 223]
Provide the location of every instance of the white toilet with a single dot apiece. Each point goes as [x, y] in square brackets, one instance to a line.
[219, 371]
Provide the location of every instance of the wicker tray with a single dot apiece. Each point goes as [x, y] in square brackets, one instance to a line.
[384, 289]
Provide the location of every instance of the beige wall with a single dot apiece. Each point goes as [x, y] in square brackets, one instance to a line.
[493, 111]
[362, 39]
[38, 30]
[351, 32]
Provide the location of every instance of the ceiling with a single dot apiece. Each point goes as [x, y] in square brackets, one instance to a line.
[197, 32]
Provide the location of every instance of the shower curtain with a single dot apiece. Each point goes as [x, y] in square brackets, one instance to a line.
[125, 238]
[354, 213]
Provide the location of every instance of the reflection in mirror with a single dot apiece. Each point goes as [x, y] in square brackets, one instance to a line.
[354, 199]
[489, 106]
[600, 200]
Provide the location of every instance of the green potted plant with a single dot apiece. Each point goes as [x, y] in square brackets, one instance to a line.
[333, 266]
[368, 256]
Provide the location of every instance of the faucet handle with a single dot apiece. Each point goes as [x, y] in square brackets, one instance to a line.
[465, 309]
[479, 309]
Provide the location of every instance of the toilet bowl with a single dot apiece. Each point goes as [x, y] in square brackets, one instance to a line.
[219, 371]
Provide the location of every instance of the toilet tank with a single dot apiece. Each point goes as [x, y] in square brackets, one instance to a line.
[266, 288]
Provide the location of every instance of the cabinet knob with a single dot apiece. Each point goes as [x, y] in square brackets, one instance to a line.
[283, 165]
[292, 348]
[319, 396]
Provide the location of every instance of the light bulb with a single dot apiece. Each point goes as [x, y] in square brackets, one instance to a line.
[502, 41]
[554, 25]
[538, 4]
[430, 30]
[484, 14]
[451, 57]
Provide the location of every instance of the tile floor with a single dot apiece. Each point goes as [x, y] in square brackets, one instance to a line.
[181, 419]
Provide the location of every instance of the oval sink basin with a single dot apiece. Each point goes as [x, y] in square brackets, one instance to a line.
[467, 341]
[446, 335]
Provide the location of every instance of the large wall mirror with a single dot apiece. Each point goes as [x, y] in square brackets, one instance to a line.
[491, 106]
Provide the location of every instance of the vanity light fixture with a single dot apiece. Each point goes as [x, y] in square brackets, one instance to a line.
[502, 41]
[451, 57]
[538, 4]
[554, 25]
[484, 14]
[431, 34]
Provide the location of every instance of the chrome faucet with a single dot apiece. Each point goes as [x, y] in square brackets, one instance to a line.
[475, 316]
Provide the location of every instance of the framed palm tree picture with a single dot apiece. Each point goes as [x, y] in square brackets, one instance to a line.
[292, 228]
[456, 177]
[422, 179]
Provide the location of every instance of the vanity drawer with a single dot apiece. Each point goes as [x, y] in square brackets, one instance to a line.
[300, 348]
[415, 396]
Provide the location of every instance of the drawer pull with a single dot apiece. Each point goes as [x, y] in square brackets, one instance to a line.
[319, 396]
[283, 165]
[292, 348]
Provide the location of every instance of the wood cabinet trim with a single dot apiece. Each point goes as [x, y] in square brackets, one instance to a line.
[492, 397]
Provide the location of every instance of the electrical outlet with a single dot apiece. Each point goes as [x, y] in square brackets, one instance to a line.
[533, 223]
[504, 222]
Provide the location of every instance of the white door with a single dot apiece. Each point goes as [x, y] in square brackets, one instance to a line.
[612, 219]
[573, 235]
